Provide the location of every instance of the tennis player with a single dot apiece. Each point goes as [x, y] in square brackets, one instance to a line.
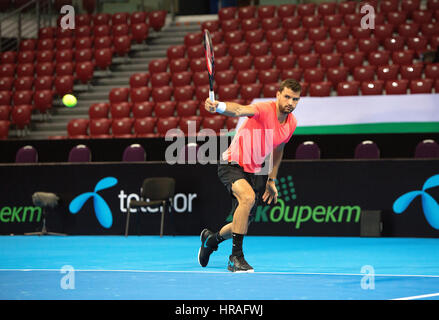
[241, 167]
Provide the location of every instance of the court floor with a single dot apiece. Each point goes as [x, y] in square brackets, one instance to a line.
[154, 268]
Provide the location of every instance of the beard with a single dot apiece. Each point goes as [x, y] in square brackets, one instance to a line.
[286, 109]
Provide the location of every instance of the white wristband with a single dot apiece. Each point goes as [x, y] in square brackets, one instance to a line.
[221, 107]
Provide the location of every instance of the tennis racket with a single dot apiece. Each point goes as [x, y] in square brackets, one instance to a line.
[209, 62]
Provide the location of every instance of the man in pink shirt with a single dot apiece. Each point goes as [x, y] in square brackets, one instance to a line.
[268, 128]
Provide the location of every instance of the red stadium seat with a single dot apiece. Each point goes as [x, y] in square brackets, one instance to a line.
[327, 8]
[103, 42]
[254, 36]
[320, 89]
[187, 108]
[246, 12]
[302, 47]
[269, 90]
[417, 43]
[306, 9]
[285, 61]
[263, 62]
[100, 128]
[193, 39]
[286, 10]
[22, 97]
[217, 37]
[176, 51]
[120, 30]
[241, 63]
[308, 60]
[83, 20]
[411, 71]
[403, 57]
[200, 78]
[4, 129]
[43, 100]
[144, 127]
[387, 72]
[250, 24]
[43, 83]
[332, 20]
[364, 73]
[230, 25]
[8, 57]
[64, 43]
[84, 71]
[6, 83]
[25, 70]
[421, 86]
[324, 46]
[83, 43]
[247, 76]
[122, 128]
[202, 92]
[120, 110]
[77, 128]
[338, 33]
[23, 83]
[410, 5]
[347, 7]
[298, 34]
[227, 13]
[181, 78]
[374, 87]
[5, 97]
[101, 19]
[157, 19]
[395, 43]
[99, 31]
[64, 69]
[119, 18]
[328, 60]
[122, 45]
[432, 4]
[348, 88]
[250, 91]
[64, 56]
[430, 29]
[259, 48]
[140, 94]
[368, 45]
[295, 73]
[228, 92]
[432, 71]
[28, 44]
[353, 59]
[318, 33]
[184, 93]
[98, 110]
[158, 65]
[45, 56]
[314, 75]
[311, 21]
[379, 58]
[44, 69]
[233, 37]
[46, 44]
[220, 49]
[142, 109]
[346, 45]
[215, 123]
[268, 76]
[165, 108]
[336, 75]
[118, 95]
[360, 33]
[103, 58]
[422, 16]
[26, 57]
[138, 17]
[225, 77]
[179, 65]
[271, 23]
[383, 31]
[46, 33]
[82, 55]
[211, 25]
[266, 11]
[275, 35]
[292, 22]
[194, 52]
[86, 31]
[160, 79]
[190, 125]
[5, 112]
[140, 32]
[235, 49]
[397, 86]
[21, 116]
[64, 84]
[397, 18]
[160, 94]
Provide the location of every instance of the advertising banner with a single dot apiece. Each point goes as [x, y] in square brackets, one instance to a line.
[316, 198]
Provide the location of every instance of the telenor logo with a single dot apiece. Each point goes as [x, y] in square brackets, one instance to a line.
[429, 204]
[102, 210]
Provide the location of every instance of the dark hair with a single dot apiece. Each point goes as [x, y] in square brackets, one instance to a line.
[292, 84]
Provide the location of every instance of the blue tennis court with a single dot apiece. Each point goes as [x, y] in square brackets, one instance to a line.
[154, 268]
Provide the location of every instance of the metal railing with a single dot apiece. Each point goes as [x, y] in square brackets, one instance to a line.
[24, 22]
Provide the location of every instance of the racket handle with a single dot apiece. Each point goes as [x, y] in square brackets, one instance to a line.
[211, 96]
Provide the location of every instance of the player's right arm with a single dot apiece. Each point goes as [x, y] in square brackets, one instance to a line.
[232, 109]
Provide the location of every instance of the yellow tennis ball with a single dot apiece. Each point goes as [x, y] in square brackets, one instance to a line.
[69, 100]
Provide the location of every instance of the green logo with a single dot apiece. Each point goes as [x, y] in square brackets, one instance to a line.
[20, 214]
[287, 210]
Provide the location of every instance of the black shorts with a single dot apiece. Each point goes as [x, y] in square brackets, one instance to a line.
[229, 173]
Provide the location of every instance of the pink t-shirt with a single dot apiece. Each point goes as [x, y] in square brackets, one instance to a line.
[258, 136]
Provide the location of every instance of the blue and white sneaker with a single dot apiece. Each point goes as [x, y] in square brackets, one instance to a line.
[205, 250]
[238, 264]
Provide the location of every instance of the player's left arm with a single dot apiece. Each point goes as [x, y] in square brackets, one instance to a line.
[270, 193]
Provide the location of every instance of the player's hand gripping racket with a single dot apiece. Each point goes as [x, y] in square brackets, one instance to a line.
[209, 62]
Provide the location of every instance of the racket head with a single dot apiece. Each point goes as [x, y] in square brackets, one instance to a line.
[208, 47]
